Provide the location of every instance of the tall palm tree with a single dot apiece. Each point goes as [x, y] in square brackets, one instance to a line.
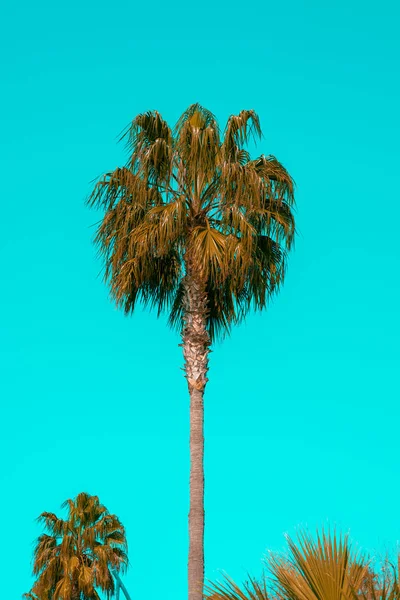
[194, 227]
[74, 559]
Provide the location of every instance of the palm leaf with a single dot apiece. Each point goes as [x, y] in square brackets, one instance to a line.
[324, 568]
[229, 590]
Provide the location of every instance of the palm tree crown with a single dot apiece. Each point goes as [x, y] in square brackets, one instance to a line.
[193, 196]
[77, 555]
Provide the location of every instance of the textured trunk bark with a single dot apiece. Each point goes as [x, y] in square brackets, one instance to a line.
[196, 344]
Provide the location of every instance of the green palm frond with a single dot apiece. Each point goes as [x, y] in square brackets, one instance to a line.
[188, 193]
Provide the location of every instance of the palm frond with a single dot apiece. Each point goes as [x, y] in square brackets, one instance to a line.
[380, 585]
[229, 590]
[322, 568]
[198, 117]
[197, 145]
[52, 523]
[240, 127]
[149, 140]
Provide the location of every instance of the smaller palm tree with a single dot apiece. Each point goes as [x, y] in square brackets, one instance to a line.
[75, 558]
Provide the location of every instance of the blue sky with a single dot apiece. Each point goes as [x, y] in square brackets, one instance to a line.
[302, 408]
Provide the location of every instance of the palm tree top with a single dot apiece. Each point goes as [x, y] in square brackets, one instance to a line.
[75, 557]
[193, 195]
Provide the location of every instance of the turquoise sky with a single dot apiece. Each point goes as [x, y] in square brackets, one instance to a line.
[302, 408]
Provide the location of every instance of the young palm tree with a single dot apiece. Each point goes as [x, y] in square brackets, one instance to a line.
[75, 558]
[195, 227]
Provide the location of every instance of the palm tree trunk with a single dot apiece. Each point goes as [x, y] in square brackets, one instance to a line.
[196, 342]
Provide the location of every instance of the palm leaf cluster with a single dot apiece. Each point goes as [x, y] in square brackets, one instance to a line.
[74, 559]
[194, 194]
[321, 568]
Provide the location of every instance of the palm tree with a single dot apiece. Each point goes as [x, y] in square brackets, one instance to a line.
[75, 557]
[194, 227]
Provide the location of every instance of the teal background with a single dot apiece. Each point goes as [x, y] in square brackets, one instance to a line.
[302, 408]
